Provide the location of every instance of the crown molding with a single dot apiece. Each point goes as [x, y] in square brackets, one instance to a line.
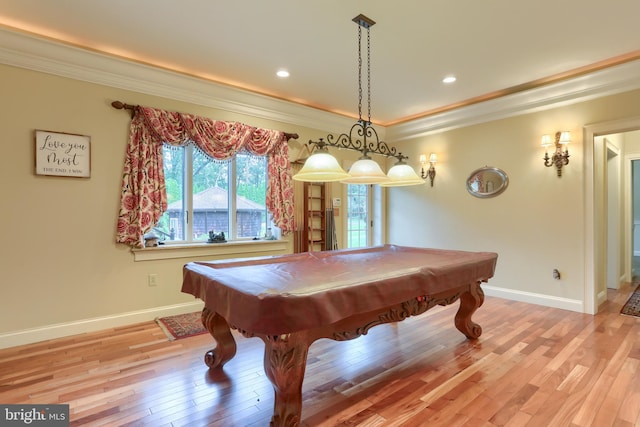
[44, 55]
[39, 54]
[608, 81]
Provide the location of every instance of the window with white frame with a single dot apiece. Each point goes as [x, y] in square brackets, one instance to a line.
[206, 195]
[358, 218]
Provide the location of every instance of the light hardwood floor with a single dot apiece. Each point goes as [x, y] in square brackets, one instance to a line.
[533, 366]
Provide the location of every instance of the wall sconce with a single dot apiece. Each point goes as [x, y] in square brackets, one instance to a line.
[560, 157]
[431, 172]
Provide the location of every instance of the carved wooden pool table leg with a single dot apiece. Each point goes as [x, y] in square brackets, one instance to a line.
[225, 343]
[285, 360]
[469, 302]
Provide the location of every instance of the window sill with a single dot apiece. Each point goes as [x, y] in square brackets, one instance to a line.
[241, 248]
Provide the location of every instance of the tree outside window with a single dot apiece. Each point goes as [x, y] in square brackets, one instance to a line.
[200, 196]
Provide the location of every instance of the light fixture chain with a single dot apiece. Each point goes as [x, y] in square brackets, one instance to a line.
[357, 139]
[359, 73]
[369, 74]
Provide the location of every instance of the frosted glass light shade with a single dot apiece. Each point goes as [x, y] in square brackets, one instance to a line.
[365, 171]
[321, 167]
[402, 175]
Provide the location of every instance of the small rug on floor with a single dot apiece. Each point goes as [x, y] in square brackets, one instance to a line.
[182, 325]
[632, 307]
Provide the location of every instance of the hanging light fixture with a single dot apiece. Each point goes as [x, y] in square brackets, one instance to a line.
[321, 166]
[365, 171]
[361, 137]
[401, 174]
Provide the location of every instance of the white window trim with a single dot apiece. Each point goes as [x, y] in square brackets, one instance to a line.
[194, 250]
[187, 201]
[369, 220]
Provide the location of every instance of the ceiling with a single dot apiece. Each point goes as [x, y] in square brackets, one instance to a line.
[493, 47]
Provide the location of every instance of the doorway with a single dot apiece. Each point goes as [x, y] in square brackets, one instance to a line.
[635, 217]
[597, 233]
[614, 196]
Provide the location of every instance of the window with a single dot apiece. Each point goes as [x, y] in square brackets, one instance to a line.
[358, 216]
[206, 195]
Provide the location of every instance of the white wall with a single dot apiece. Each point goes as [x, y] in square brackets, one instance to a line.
[61, 271]
[60, 268]
[536, 225]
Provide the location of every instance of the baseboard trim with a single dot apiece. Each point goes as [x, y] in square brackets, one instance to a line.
[533, 298]
[59, 330]
[29, 336]
[602, 297]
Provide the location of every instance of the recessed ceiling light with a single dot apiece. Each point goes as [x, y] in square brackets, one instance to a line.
[449, 79]
[282, 73]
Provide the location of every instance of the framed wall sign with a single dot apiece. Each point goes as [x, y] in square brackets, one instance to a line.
[63, 154]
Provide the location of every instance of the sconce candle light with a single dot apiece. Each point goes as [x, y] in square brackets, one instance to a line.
[560, 156]
[431, 172]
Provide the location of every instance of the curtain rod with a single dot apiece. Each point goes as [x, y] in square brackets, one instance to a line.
[132, 108]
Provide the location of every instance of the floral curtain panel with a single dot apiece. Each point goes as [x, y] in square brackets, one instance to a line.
[143, 199]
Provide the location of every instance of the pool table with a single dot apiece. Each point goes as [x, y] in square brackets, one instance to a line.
[290, 301]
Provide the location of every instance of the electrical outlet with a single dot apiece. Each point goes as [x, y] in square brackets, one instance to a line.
[153, 279]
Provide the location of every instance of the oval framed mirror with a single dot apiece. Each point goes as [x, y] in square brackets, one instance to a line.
[487, 182]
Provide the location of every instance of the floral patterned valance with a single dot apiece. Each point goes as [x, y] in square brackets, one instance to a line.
[144, 198]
